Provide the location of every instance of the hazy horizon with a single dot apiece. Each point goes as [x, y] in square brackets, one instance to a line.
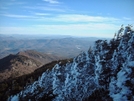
[100, 18]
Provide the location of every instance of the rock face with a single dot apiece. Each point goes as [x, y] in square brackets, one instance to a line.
[104, 73]
[23, 63]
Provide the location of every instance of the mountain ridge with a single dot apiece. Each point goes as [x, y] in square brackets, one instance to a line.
[22, 63]
[43, 58]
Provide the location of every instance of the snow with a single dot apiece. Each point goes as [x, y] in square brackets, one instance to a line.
[118, 90]
[13, 98]
[131, 64]
[121, 78]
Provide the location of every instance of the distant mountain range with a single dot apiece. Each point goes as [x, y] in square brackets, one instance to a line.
[23, 63]
[61, 46]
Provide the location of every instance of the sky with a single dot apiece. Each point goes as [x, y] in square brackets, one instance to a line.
[93, 18]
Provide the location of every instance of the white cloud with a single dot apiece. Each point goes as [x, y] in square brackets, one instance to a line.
[41, 14]
[126, 18]
[69, 18]
[89, 26]
[66, 18]
[15, 3]
[51, 1]
[17, 16]
[75, 18]
[45, 8]
[84, 18]
[66, 24]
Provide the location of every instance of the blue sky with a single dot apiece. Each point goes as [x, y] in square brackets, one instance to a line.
[98, 18]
